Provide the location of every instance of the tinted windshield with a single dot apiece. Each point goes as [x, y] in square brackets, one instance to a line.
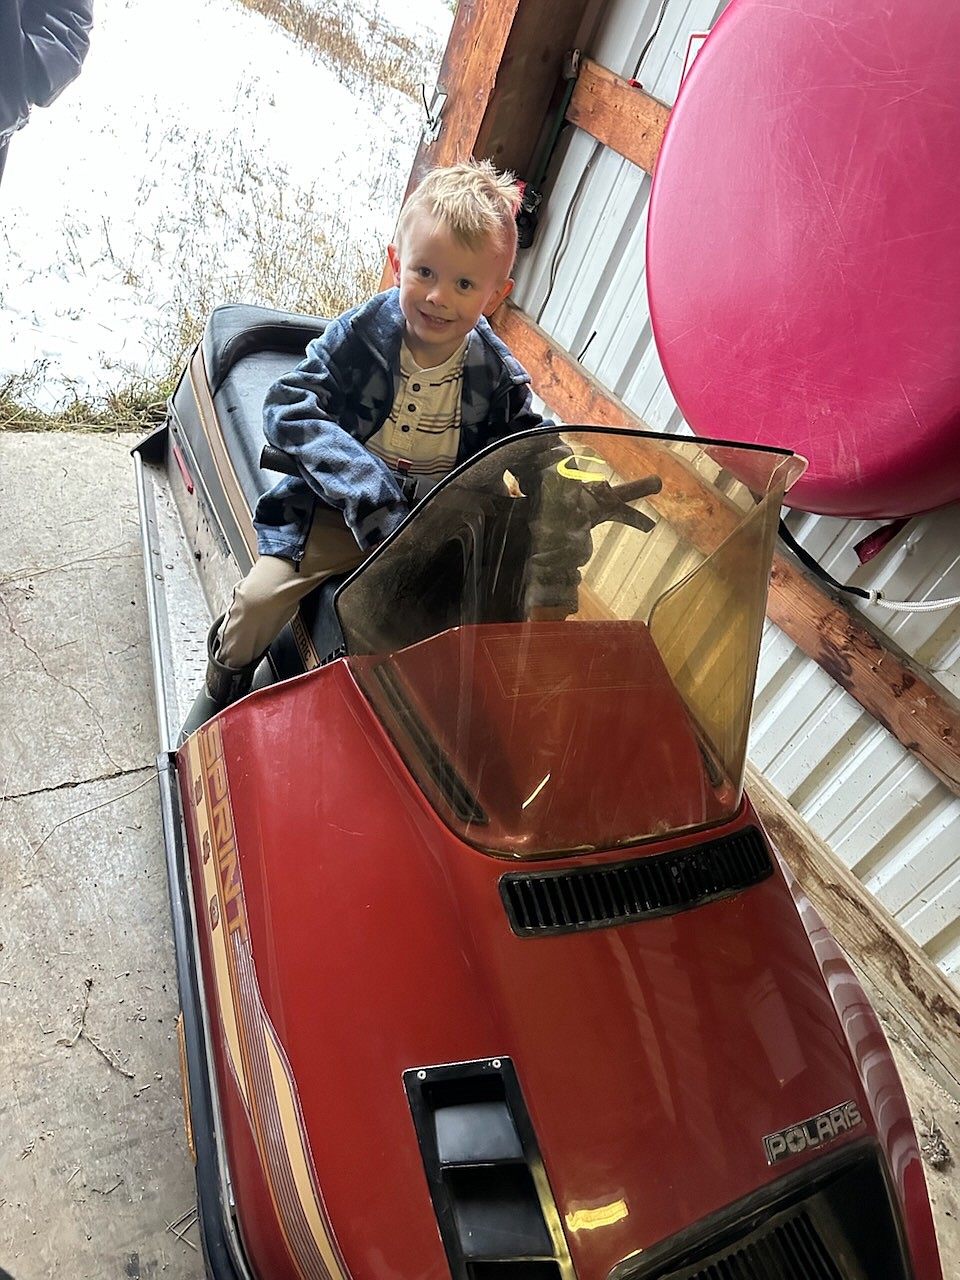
[562, 669]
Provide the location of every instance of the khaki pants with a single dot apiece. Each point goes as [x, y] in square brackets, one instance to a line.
[267, 598]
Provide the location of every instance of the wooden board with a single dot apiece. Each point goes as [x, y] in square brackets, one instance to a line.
[880, 951]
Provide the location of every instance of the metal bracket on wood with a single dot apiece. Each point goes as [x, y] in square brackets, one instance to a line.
[434, 110]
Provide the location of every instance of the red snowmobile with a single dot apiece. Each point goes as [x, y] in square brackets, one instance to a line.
[487, 967]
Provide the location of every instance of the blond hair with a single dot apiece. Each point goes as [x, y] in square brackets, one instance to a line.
[474, 201]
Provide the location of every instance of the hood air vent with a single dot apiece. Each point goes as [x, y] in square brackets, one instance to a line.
[833, 1220]
[495, 1209]
[791, 1251]
[620, 893]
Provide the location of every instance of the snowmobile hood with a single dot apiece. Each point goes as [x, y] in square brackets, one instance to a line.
[361, 945]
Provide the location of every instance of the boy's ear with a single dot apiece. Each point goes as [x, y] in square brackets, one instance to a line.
[497, 297]
[394, 257]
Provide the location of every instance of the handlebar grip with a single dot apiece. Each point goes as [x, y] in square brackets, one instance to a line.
[634, 489]
[274, 459]
[607, 501]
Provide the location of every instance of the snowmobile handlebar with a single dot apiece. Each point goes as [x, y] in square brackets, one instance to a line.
[274, 459]
[607, 501]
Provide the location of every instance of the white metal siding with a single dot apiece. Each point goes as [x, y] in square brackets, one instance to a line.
[886, 816]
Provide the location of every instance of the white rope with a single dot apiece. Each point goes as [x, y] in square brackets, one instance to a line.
[913, 606]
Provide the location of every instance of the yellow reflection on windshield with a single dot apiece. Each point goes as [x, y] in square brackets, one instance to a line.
[583, 466]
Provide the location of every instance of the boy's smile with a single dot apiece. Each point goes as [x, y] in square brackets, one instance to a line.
[445, 287]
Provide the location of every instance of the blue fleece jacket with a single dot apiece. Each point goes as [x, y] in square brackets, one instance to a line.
[341, 394]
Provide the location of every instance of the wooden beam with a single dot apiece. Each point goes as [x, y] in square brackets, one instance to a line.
[571, 391]
[529, 91]
[921, 714]
[618, 114]
[468, 73]
[502, 71]
[882, 953]
[924, 717]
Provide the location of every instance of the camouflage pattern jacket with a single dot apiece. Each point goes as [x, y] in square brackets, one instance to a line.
[341, 394]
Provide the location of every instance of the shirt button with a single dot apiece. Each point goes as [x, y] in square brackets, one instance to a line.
[415, 387]
[405, 427]
[411, 408]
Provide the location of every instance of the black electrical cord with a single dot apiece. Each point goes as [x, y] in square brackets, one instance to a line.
[807, 559]
[561, 244]
[567, 218]
[649, 41]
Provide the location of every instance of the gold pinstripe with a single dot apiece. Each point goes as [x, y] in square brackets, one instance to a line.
[255, 1054]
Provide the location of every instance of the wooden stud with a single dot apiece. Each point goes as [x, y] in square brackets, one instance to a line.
[618, 114]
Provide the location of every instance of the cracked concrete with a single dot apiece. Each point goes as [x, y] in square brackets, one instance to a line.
[94, 1159]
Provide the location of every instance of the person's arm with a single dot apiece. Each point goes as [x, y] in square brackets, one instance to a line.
[301, 415]
[56, 40]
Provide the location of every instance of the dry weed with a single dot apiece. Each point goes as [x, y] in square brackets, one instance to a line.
[362, 50]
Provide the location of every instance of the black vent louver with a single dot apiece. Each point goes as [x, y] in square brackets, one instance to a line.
[793, 1250]
[623, 892]
[495, 1210]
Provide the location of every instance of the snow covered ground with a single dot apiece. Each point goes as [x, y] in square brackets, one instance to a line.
[202, 156]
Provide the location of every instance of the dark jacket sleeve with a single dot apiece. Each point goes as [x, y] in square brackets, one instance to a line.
[56, 40]
[307, 412]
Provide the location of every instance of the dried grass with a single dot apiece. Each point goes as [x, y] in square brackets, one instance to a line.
[360, 49]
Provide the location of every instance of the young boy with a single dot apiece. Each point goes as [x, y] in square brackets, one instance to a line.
[390, 397]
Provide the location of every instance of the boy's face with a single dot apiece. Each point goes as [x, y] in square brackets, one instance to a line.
[445, 287]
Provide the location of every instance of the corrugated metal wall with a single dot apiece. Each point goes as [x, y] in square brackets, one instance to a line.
[886, 816]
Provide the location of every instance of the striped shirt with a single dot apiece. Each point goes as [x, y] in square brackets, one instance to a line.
[421, 436]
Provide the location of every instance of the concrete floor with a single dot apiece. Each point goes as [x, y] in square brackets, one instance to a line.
[95, 1178]
[94, 1162]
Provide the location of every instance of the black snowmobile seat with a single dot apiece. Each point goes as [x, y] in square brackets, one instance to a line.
[235, 331]
[245, 350]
